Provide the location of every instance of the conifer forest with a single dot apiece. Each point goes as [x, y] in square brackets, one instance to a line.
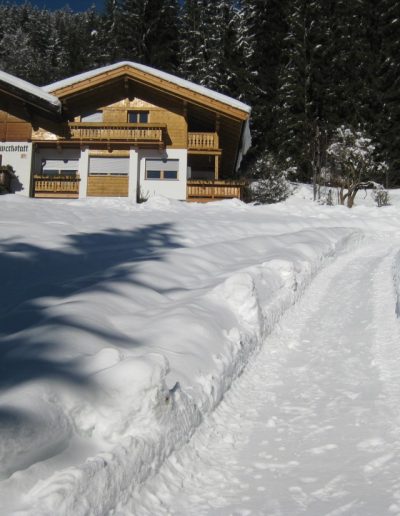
[306, 67]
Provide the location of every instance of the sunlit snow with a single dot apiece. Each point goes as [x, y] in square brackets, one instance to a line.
[174, 358]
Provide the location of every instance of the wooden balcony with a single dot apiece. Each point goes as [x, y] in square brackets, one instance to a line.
[56, 187]
[135, 133]
[203, 142]
[199, 190]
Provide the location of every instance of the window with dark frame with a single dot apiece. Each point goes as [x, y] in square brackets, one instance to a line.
[153, 174]
[162, 169]
[138, 117]
[170, 174]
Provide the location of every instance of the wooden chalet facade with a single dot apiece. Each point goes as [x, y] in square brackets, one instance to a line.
[124, 130]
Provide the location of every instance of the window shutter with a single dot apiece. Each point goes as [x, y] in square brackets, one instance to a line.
[60, 164]
[159, 164]
[118, 166]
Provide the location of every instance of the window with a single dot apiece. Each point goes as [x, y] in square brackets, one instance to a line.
[170, 174]
[138, 117]
[153, 174]
[59, 167]
[162, 169]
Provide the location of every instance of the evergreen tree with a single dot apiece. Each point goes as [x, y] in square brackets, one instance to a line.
[263, 27]
[354, 61]
[16, 55]
[302, 78]
[162, 45]
[209, 44]
[389, 87]
[109, 43]
[191, 52]
[145, 31]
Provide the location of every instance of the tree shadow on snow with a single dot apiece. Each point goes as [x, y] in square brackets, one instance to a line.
[34, 328]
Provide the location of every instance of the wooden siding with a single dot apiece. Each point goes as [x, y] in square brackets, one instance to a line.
[13, 129]
[107, 186]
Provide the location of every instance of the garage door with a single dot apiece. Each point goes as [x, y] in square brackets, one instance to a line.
[108, 177]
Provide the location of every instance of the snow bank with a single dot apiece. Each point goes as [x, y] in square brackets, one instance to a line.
[123, 326]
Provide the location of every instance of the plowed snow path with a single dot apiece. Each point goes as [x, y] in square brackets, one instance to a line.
[313, 425]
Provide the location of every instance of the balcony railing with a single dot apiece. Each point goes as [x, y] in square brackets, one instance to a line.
[203, 191]
[203, 141]
[57, 186]
[138, 133]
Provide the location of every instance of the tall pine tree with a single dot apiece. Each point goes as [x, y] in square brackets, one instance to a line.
[389, 87]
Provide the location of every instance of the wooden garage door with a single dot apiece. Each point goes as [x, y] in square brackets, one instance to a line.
[108, 177]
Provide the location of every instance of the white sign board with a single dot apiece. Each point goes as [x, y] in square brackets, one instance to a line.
[19, 156]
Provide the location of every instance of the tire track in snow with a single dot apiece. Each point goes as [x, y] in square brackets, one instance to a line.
[311, 426]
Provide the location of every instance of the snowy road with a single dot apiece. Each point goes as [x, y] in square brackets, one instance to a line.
[313, 425]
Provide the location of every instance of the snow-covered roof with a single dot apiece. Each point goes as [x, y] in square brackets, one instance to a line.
[156, 73]
[30, 89]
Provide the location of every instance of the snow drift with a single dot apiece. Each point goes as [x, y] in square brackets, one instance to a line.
[124, 325]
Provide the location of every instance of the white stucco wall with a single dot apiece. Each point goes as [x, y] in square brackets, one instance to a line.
[133, 173]
[83, 172]
[19, 156]
[173, 189]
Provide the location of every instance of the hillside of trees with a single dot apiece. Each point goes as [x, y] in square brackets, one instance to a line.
[305, 66]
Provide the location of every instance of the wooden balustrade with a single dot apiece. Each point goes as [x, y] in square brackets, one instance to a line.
[57, 186]
[204, 191]
[203, 141]
[146, 133]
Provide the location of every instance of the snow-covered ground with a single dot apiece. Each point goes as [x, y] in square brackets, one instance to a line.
[123, 327]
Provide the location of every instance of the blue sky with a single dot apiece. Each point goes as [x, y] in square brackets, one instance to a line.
[75, 5]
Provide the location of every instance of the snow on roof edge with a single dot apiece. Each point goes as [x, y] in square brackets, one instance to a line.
[30, 88]
[152, 71]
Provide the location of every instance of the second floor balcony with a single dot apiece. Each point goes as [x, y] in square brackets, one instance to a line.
[99, 132]
[143, 134]
[123, 132]
[201, 141]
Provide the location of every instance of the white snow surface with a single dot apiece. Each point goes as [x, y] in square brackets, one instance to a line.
[123, 328]
[155, 73]
[30, 88]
